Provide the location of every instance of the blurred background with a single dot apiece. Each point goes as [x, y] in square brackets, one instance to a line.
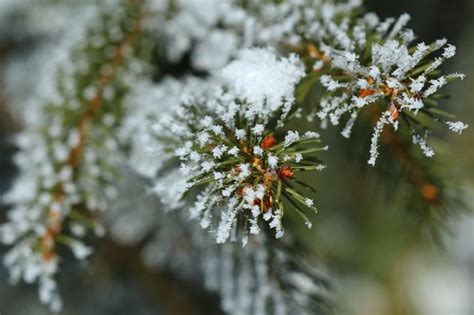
[381, 260]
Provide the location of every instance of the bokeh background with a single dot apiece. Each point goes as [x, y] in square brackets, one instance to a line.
[379, 261]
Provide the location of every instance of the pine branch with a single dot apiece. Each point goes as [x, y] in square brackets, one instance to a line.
[220, 145]
[426, 189]
[66, 191]
[85, 124]
[95, 104]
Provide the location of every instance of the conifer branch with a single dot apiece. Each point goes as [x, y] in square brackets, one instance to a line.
[227, 146]
[91, 109]
[427, 190]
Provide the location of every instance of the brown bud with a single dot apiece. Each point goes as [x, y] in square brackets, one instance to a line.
[285, 172]
[313, 51]
[429, 192]
[267, 202]
[366, 92]
[394, 113]
[268, 142]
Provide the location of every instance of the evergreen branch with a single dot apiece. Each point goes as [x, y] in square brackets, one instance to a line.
[427, 190]
[92, 108]
[95, 104]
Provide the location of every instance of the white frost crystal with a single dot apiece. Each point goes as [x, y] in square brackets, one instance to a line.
[235, 153]
[263, 79]
[396, 72]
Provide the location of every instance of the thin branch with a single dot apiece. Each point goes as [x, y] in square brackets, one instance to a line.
[84, 126]
[426, 188]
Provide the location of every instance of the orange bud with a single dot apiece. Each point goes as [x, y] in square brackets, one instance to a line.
[394, 113]
[285, 172]
[366, 92]
[268, 142]
[429, 192]
[313, 51]
[257, 163]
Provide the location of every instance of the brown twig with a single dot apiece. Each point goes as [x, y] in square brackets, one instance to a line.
[92, 108]
[427, 190]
